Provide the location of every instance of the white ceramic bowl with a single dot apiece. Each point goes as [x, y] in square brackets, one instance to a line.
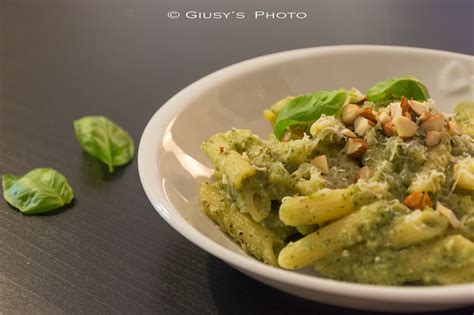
[172, 166]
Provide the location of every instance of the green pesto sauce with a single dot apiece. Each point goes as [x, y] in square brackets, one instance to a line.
[285, 169]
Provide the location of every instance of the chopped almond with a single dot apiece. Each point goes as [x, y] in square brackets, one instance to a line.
[348, 133]
[383, 118]
[356, 147]
[424, 116]
[369, 114]
[433, 123]
[350, 113]
[361, 125]
[418, 107]
[453, 128]
[404, 105]
[432, 138]
[321, 162]
[363, 173]
[357, 96]
[388, 129]
[395, 110]
[418, 200]
[405, 127]
[449, 214]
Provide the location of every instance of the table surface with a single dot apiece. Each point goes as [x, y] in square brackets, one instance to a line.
[110, 252]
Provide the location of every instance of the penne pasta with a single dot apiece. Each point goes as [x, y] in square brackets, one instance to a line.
[340, 234]
[253, 237]
[347, 183]
[320, 207]
[416, 227]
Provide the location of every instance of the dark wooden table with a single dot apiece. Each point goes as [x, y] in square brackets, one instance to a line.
[110, 252]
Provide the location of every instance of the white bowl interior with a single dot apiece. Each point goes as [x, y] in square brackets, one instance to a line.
[172, 165]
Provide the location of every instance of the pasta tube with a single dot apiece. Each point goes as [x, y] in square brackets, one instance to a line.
[416, 227]
[322, 206]
[252, 237]
[342, 233]
[442, 261]
[455, 275]
[224, 153]
[449, 254]
[252, 199]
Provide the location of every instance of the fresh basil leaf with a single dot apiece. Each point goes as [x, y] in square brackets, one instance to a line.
[40, 190]
[305, 109]
[104, 140]
[394, 88]
[8, 180]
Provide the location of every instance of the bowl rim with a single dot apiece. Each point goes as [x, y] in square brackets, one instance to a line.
[150, 150]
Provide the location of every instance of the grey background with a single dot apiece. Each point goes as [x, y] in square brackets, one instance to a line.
[110, 252]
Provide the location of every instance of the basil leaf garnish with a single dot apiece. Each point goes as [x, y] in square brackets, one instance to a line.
[394, 88]
[104, 140]
[305, 109]
[40, 190]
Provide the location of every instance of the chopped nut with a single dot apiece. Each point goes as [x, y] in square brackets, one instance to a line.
[418, 107]
[348, 133]
[363, 173]
[418, 200]
[356, 147]
[404, 105]
[361, 125]
[449, 214]
[432, 138]
[388, 129]
[405, 127]
[369, 114]
[395, 110]
[453, 128]
[424, 116]
[433, 123]
[350, 113]
[321, 162]
[383, 118]
[407, 115]
[356, 96]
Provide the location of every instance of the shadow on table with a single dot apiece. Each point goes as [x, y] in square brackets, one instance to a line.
[49, 213]
[235, 293]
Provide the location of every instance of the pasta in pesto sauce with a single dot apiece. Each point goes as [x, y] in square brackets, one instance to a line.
[371, 188]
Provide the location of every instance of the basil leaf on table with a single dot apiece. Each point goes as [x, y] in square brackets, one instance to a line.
[394, 88]
[40, 190]
[305, 109]
[104, 140]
